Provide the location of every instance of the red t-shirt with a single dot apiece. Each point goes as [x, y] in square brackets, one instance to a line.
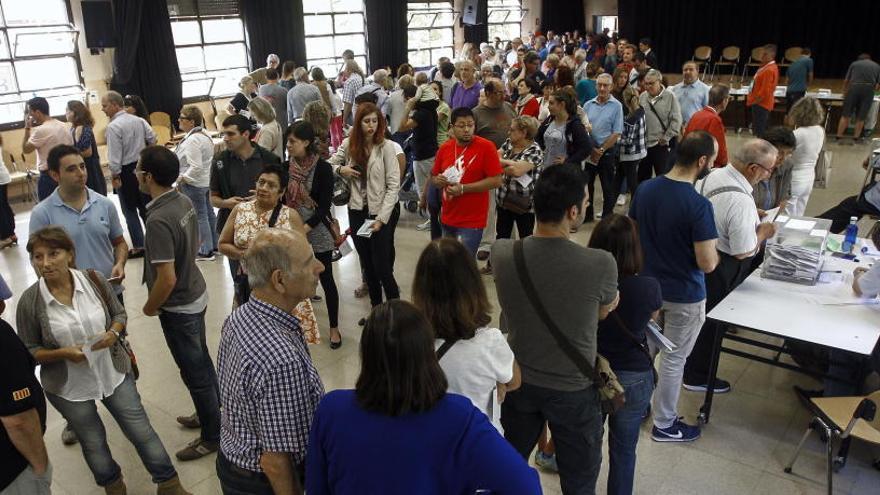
[479, 160]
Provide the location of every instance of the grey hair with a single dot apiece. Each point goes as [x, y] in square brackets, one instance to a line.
[605, 76]
[753, 151]
[268, 252]
[262, 110]
[115, 98]
[301, 74]
[487, 66]
[654, 74]
[272, 57]
[379, 76]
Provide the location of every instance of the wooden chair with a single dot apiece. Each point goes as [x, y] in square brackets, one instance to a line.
[160, 119]
[703, 58]
[27, 176]
[729, 58]
[842, 418]
[163, 134]
[754, 61]
[791, 54]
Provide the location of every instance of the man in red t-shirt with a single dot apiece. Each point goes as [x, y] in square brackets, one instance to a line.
[762, 97]
[465, 169]
[709, 119]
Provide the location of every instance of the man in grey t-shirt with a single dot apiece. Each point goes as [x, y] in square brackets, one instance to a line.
[862, 78]
[177, 292]
[578, 287]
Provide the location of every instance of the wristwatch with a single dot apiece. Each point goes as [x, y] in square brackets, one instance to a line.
[115, 333]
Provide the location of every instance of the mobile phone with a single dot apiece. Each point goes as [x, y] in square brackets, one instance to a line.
[114, 280]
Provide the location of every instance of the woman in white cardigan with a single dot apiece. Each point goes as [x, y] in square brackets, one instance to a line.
[807, 117]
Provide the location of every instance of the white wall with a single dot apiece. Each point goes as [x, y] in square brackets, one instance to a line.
[598, 7]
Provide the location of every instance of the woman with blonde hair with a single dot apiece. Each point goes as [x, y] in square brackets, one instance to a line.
[270, 134]
[239, 102]
[807, 117]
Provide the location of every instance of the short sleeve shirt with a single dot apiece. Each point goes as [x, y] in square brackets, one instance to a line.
[736, 216]
[606, 118]
[478, 160]
[798, 73]
[494, 123]
[672, 216]
[46, 136]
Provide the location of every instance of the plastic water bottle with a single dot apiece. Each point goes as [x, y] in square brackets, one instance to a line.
[849, 241]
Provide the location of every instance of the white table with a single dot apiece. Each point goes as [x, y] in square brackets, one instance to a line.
[827, 314]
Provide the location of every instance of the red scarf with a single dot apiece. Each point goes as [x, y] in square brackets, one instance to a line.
[297, 193]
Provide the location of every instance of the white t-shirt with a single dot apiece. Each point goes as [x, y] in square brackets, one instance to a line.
[473, 367]
[806, 154]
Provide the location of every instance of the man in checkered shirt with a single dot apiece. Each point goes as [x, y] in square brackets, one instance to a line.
[269, 387]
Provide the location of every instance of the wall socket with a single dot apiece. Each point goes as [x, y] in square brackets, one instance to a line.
[93, 97]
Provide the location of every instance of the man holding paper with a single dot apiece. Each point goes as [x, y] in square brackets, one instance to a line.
[465, 170]
[740, 235]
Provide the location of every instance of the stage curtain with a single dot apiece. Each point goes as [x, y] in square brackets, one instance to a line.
[274, 26]
[835, 32]
[562, 15]
[478, 33]
[386, 33]
[145, 62]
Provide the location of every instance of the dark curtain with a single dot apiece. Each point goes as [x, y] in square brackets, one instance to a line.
[478, 33]
[274, 26]
[562, 15]
[836, 33]
[386, 33]
[145, 62]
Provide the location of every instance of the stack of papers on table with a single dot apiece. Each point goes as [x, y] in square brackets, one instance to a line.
[794, 254]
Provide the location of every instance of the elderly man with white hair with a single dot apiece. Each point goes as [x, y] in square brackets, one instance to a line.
[377, 88]
[605, 114]
[259, 75]
[662, 125]
[300, 95]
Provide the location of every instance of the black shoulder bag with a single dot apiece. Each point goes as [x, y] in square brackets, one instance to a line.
[641, 345]
[447, 344]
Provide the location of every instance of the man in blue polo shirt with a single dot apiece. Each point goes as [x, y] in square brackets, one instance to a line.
[800, 74]
[90, 220]
[606, 116]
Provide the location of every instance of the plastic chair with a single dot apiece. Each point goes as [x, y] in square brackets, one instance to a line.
[702, 57]
[729, 58]
[160, 119]
[754, 61]
[843, 418]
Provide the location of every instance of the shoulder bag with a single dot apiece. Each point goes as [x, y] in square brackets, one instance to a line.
[611, 392]
[643, 346]
[447, 344]
[123, 340]
[341, 190]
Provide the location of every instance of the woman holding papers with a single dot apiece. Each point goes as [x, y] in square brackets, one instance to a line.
[622, 340]
[368, 162]
[71, 322]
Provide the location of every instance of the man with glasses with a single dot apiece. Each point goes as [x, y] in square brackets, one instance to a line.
[740, 236]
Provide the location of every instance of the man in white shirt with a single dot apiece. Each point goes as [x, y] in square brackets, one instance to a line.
[740, 235]
[47, 134]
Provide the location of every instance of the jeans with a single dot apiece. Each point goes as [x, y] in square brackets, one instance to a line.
[629, 171]
[28, 483]
[328, 283]
[605, 170]
[133, 203]
[760, 118]
[128, 411]
[623, 429]
[7, 216]
[469, 237]
[576, 426]
[185, 335]
[654, 161]
[376, 254]
[682, 322]
[853, 206]
[525, 224]
[45, 185]
[200, 197]
[237, 481]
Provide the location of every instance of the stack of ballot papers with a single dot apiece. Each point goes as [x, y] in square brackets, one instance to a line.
[794, 254]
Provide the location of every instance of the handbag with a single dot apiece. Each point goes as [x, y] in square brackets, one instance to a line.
[123, 340]
[643, 346]
[341, 191]
[611, 392]
[516, 203]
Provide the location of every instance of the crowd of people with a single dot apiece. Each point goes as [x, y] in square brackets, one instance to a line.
[502, 137]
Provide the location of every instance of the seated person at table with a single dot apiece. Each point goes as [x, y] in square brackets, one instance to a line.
[776, 191]
[865, 203]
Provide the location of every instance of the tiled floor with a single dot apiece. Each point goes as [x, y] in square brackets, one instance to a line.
[754, 429]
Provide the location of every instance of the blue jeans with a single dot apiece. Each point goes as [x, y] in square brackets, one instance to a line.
[469, 237]
[200, 197]
[133, 203]
[185, 335]
[126, 408]
[45, 185]
[623, 429]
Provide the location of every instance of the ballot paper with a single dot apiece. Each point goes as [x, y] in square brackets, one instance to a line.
[655, 335]
[87, 349]
[365, 230]
[453, 174]
[770, 216]
[524, 180]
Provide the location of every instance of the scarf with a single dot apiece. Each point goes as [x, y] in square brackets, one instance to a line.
[297, 194]
[521, 102]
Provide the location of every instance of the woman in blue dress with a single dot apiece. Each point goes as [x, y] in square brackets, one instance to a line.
[82, 124]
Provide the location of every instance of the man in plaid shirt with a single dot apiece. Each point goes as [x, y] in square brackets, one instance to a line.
[269, 387]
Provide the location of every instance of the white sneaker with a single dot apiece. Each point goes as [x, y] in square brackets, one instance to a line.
[621, 199]
[426, 225]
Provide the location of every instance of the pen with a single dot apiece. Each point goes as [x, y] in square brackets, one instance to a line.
[831, 271]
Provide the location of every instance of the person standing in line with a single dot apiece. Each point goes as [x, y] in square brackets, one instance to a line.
[420, 116]
[276, 94]
[82, 132]
[354, 79]
[177, 291]
[800, 76]
[7, 216]
[808, 118]
[650, 57]
[196, 153]
[135, 105]
[562, 135]
[238, 104]
[633, 147]
[862, 79]
[127, 135]
[606, 116]
[269, 135]
[678, 235]
[522, 161]
[286, 80]
[578, 287]
[692, 93]
[466, 92]
[42, 132]
[662, 125]
[261, 75]
[300, 95]
[709, 119]
[762, 97]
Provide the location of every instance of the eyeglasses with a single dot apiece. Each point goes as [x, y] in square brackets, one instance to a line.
[768, 170]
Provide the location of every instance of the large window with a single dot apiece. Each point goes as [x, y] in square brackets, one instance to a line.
[333, 26]
[38, 56]
[209, 41]
[429, 32]
[505, 19]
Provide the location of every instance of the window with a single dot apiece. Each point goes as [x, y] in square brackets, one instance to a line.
[505, 19]
[38, 57]
[429, 32]
[333, 26]
[209, 41]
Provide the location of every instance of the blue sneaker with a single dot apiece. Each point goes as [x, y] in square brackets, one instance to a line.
[546, 462]
[678, 432]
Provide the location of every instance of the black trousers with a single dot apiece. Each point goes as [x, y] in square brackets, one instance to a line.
[629, 171]
[504, 220]
[237, 481]
[7, 217]
[376, 255]
[853, 206]
[792, 97]
[760, 118]
[655, 161]
[328, 283]
[605, 170]
[729, 273]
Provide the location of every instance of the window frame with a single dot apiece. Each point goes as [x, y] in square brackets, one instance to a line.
[510, 10]
[25, 95]
[199, 18]
[337, 55]
[445, 6]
